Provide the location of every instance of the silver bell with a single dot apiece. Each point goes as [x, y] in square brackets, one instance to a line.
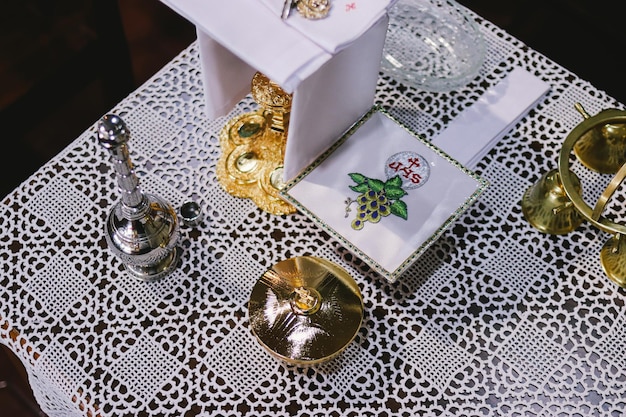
[141, 229]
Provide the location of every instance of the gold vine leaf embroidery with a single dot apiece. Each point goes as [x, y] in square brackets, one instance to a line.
[376, 199]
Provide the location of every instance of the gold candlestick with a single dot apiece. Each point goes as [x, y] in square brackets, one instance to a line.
[555, 204]
[253, 149]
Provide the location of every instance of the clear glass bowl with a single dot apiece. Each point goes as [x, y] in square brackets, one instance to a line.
[432, 45]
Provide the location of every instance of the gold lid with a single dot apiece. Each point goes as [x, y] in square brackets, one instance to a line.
[253, 144]
[305, 310]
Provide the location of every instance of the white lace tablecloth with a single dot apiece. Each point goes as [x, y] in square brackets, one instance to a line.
[495, 319]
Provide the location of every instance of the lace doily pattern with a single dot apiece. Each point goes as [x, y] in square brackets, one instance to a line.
[495, 319]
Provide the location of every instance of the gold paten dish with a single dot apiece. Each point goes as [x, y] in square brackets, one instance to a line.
[305, 310]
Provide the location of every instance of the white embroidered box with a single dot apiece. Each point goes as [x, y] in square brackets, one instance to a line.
[384, 192]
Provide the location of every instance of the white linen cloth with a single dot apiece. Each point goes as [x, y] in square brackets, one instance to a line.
[479, 128]
[330, 65]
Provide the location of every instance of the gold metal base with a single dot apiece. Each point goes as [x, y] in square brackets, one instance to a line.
[251, 162]
[613, 259]
[547, 208]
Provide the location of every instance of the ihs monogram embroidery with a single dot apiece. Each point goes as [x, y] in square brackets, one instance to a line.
[378, 198]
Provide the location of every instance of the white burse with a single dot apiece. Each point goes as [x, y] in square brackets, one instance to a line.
[449, 188]
[330, 65]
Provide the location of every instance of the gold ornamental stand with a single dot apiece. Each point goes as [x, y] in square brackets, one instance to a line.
[253, 149]
[555, 204]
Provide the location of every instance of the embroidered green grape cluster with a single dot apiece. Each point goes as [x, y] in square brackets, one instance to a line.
[377, 199]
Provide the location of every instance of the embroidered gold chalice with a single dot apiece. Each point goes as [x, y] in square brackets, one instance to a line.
[253, 148]
[555, 204]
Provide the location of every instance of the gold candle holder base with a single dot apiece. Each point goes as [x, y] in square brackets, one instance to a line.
[252, 144]
[555, 204]
[547, 208]
[613, 260]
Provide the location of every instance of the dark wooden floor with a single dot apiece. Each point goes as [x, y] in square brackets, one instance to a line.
[51, 88]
